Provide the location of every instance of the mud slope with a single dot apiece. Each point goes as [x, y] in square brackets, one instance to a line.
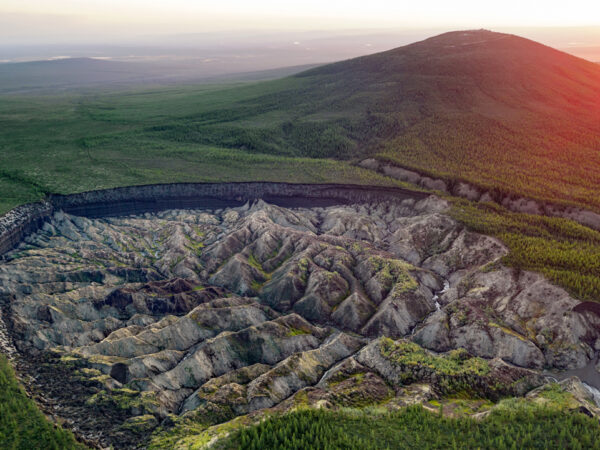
[221, 313]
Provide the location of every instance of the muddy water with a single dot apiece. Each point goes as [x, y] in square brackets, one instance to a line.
[588, 374]
[435, 298]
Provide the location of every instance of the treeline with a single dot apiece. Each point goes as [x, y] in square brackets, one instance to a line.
[22, 425]
[416, 428]
[564, 251]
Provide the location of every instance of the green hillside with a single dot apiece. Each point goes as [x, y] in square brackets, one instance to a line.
[498, 110]
[76, 142]
[495, 109]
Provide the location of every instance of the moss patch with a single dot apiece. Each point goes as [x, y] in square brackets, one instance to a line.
[455, 362]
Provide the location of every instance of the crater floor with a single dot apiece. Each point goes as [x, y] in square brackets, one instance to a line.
[214, 314]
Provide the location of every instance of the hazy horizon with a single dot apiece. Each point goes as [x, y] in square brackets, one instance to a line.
[294, 47]
[186, 40]
[35, 29]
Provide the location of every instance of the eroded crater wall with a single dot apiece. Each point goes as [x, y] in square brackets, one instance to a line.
[24, 219]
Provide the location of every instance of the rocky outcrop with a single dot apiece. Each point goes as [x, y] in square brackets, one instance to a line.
[135, 199]
[581, 398]
[340, 266]
[517, 316]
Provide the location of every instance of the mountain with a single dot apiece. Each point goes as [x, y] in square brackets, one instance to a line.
[501, 112]
[496, 109]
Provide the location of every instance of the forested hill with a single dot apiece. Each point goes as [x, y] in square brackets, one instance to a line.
[493, 108]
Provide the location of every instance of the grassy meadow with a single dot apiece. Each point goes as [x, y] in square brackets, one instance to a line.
[76, 142]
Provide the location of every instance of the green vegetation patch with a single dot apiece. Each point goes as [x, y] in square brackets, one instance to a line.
[22, 424]
[297, 332]
[394, 272]
[551, 396]
[531, 427]
[459, 407]
[406, 353]
[140, 424]
[124, 399]
[191, 434]
[203, 133]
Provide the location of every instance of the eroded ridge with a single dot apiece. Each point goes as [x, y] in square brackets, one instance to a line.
[223, 313]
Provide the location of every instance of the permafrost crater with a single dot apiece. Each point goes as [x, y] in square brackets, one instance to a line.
[221, 313]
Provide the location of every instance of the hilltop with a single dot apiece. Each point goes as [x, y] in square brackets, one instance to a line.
[495, 109]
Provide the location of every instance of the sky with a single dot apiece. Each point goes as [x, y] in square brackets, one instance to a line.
[37, 21]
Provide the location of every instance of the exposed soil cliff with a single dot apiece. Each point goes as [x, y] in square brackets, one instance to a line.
[472, 192]
[22, 220]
